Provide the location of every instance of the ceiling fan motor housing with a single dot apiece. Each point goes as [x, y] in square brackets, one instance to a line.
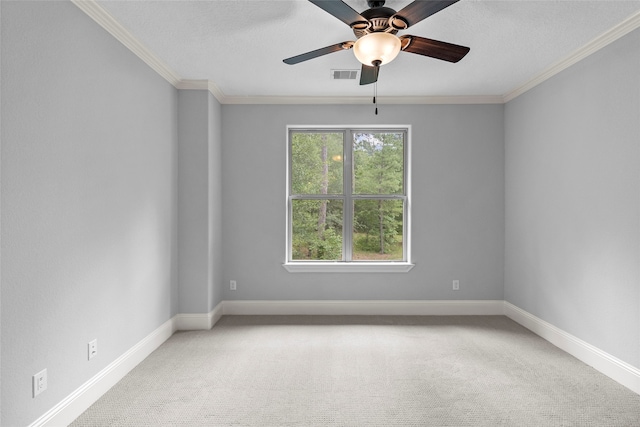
[379, 21]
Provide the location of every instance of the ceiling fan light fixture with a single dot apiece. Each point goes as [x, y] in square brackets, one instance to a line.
[380, 46]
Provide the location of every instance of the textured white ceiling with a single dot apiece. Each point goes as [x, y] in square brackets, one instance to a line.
[239, 45]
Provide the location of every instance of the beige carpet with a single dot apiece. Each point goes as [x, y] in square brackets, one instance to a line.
[363, 371]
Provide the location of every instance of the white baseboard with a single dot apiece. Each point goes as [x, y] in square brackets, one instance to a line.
[198, 321]
[77, 402]
[364, 307]
[616, 369]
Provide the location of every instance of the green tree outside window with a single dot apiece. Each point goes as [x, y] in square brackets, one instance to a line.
[347, 177]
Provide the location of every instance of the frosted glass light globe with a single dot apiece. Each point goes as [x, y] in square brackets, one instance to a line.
[383, 47]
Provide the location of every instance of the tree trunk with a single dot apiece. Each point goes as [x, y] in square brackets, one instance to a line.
[381, 222]
[324, 186]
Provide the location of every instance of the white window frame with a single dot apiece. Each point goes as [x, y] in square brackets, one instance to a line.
[351, 266]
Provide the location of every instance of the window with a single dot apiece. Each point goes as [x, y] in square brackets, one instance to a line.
[348, 199]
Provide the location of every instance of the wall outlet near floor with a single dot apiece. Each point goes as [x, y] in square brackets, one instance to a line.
[39, 382]
[93, 349]
[456, 285]
[232, 285]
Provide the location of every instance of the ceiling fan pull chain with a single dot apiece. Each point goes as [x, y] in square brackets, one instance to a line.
[375, 96]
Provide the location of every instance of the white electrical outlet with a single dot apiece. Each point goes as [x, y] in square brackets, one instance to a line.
[456, 285]
[93, 349]
[232, 285]
[39, 382]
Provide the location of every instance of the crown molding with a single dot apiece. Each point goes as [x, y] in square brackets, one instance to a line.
[193, 85]
[333, 100]
[113, 27]
[606, 38]
[203, 85]
[390, 100]
[109, 23]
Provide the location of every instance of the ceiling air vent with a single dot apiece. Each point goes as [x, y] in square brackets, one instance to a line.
[344, 74]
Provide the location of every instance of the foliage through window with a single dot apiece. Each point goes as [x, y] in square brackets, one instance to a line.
[347, 196]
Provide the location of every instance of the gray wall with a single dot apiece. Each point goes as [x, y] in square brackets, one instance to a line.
[458, 203]
[573, 200]
[215, 202]
[199, 211]
[89, 197]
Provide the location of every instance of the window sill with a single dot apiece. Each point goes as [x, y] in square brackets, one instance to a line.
[348, 267]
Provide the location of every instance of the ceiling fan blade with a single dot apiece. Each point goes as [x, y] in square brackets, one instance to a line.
[421, 9]
[340, 10]
[369, 74]
[318, 52]
[434, 48]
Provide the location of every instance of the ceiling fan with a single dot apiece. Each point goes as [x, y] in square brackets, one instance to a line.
[376, 29]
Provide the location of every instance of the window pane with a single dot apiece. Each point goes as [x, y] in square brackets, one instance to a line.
[378, 163]
[377, 230]
[316, 163]
[316, 230]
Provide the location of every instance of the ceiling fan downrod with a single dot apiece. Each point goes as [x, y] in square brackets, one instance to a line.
[375, 3]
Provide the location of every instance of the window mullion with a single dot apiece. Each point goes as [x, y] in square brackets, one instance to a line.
[378, 197]
[316, 197]
[347, 226]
